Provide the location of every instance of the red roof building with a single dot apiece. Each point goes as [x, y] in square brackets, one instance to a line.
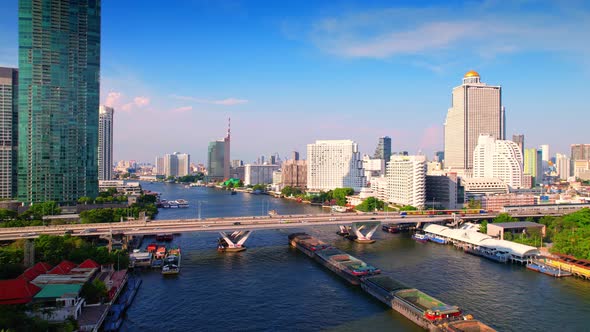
[34, 271]
[17, 291]
[62, 268]
[89, 264]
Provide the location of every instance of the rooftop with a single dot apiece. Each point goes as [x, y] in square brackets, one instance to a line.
[518, 224]
[59, 291]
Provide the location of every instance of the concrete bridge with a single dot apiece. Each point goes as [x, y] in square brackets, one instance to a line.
[142, 227]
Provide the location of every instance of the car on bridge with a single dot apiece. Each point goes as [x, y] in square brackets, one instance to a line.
[69, 232]
[237, 223]
[88, 230]
[28, 234]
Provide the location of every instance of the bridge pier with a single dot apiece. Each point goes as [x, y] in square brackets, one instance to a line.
[233, 242]
[354, 232]
[364, 238]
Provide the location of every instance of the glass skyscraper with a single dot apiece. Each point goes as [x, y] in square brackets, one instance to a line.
[383, 150]
[59, 66]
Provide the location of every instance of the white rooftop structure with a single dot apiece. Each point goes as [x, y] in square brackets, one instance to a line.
[519, 252]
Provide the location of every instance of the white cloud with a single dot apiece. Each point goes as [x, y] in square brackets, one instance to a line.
[481, 30]
[113, 98]
[182, 109]
[225, 102]
[138, 102]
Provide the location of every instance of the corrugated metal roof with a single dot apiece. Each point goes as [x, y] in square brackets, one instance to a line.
[59, 290]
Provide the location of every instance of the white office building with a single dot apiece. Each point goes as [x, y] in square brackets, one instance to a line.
[500, 159]
[476, 109]
[334, 164]
[184, 164]
[373, 167]
[563, 164]
[105, 143]
[406, 180]
[159, 169]
[259, 174]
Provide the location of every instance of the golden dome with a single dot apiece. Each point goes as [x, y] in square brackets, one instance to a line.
[471, 73]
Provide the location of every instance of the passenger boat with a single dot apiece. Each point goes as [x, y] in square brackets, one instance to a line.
[171, 263]
[548, 270]
[173, 204]
[182, 203]
[436, 239]
[422, 238]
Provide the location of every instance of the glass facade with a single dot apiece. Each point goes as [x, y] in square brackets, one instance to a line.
[59, 66]
[216, 160]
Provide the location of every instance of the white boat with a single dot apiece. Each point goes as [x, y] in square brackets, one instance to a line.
[182, 203]
[173, 204]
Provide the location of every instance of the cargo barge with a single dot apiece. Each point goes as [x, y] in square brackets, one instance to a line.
[346, 266]
[423, 309]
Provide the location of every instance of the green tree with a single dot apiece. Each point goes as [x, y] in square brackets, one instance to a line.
[504, 217]
[370, 204]
[474, 204]
[38, 210]
[408, 208]
[339, 194]
[84, 200]
[483, 228]
[6, 214]
[94, 292]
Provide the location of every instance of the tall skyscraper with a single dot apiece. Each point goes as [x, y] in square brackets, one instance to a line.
[500, 159]
[171, 164]
[476, 109]
[519, 140]
[59, 72]
[383, 150]
[334, 164]
[406, 180]
[533, 165]
[8, 131]
[160, 169]
[105, 143]
[218, 161]
[295, 155]
[545, 153]
[563, 164]
[294, 173]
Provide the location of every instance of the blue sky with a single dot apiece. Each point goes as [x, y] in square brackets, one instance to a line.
[288, 73]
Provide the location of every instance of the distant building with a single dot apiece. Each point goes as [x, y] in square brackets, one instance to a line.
[484, 186]
[580, 160]
[533, 165]
[383, 150]
[8, 131]
[519, 140]
[499, 159]
[444, 191]
[498, 230]
[580, 152]
[218, 161]
[440, 156]
[105, 142]
[170, 165]
[259, 174]
[582, 169]
[476, 109]
[373, 167]
[499, 201]
[334, 164]
[527, 181]
[236, 163]
[295, 156]
[563, 164]
[184, 161]
[406, 180]
[379, 187]
[159, 169]
[294, 173]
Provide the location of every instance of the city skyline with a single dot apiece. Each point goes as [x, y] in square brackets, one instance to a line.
[293, 61]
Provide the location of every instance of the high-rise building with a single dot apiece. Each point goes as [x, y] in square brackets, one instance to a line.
[160, 169]
[218, 158]
[334, 164]
[105, 143]
[8, 131]
[500, 159]
[184, 164]
[519, 140]
[383, 150]
[580, 152]
[533, 165]
[171, 164]
[476, 109]
[406, 180]
[294, 173]
[440, 156]
[545, 153]
[295, 155]
[373, 167]
[236, 163]
[444, 190]
[59, 73]
[563, 164]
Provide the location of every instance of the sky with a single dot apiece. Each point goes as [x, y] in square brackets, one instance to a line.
[290, 72]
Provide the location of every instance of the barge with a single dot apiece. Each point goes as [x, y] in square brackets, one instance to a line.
[423, 309]
[171, 265]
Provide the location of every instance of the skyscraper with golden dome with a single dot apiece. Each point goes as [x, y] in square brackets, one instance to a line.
[476, 109]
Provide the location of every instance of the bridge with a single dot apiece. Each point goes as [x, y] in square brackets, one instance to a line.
[142, 227]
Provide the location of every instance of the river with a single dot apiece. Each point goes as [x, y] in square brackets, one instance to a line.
[272, 287]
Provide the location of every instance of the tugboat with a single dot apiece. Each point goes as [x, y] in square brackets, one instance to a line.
[172, 262]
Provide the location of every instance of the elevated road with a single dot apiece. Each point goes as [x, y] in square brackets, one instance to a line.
[207, 225]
